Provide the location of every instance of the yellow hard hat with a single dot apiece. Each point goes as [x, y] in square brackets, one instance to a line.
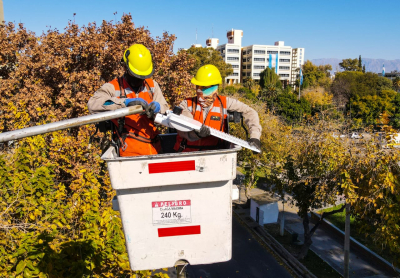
[138, 61]
[207, 75]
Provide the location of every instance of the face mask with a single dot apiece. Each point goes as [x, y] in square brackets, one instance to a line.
[206, 97]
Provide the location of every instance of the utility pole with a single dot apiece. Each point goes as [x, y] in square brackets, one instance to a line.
[347, 242]
[1, 12]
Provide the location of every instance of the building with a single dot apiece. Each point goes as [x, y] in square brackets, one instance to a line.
[297, 62]
[231, 53]
[391, 75]
[212, 43]
[250, 61]
[256, 58]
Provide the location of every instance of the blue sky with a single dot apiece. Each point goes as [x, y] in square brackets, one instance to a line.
[327, 29]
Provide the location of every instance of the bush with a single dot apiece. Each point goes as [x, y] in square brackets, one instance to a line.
[55, 199]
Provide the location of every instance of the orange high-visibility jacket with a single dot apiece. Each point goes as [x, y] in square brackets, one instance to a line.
[216, 118]
[139, 136]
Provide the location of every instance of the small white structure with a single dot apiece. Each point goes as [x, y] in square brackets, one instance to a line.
[264, 209]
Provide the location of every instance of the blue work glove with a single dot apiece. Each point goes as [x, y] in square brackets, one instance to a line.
[154, 108]
[136, 101]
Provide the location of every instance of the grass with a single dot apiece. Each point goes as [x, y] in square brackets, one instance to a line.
[313, 263]
[338, 219]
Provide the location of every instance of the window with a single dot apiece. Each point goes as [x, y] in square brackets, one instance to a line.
[283, 75]
[235, 74]
[284, 68]
[259, 51]
[248, 66]
[233, 58]
[259, 67]
[244, 60]
[235, 66]
[259, 59]
[256, 74]
[230, 50]
[284, 52]
[244, 67]
[272, 52]
[284, 60]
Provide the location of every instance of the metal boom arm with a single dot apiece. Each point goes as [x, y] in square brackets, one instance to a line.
[85, 120]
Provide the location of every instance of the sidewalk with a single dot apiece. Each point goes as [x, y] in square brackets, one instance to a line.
[328, 245]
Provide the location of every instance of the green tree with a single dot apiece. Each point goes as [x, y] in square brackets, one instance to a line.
[396, 84]
[363, 68]
[359, 63]
[270, 84]
[204, 56]
[289, 107]
[350, 65]
[316, 75]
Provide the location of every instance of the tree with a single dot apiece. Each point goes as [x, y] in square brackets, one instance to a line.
[289, 107]
[350, 64]
[396, 84]
[56, 215]
[204, 56]
[316, 75]
[363, 68]
[270, 84]
[359, 62]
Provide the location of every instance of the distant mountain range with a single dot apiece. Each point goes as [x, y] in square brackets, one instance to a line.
[372, 65]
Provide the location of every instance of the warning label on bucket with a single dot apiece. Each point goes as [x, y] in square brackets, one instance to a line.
[171, 212]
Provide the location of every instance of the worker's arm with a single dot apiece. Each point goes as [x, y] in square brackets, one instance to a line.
[191, 135]
[250, 116]
[158, 96]
[104, 99]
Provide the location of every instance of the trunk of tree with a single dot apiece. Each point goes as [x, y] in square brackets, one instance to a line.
[309, 233]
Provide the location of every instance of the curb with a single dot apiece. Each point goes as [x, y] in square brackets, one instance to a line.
[358, 246]
[297, 268]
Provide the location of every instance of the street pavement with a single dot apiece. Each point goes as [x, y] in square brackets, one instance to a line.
[249, 260]
[328, 245]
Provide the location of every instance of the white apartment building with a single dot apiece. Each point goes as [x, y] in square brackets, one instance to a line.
[297, 62]
[256, 58]
[231, 53]
[250, 61]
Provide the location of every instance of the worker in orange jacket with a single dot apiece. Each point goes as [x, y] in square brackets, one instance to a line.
[212, 109]
[136, 134]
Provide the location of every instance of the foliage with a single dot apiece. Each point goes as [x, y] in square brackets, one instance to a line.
[314, 76]
[55, 201]
[289, 107]
[396, 84]
[351, 64]
[208, 55]
[369, 108]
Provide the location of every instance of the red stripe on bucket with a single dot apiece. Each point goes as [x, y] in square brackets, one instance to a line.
[177, 166]
[179, 231]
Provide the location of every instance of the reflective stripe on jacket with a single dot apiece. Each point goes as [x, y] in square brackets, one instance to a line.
[216, 118]
[139, 136]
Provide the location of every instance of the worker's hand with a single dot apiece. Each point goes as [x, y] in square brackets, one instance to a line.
[203, 132]
[254, 142]
[137, 101]
[154, 108]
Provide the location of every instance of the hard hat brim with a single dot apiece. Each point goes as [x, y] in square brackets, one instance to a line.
[144, 75]
[209, 83]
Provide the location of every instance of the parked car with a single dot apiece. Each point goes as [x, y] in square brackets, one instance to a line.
[355, 135]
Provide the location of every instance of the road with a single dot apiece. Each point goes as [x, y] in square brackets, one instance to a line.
[249, 259]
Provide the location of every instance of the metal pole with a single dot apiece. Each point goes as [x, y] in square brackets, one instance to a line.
[347, 242]
[283, 218]
[85, 120]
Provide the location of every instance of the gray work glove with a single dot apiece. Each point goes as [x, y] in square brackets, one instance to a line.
[203, 132]
[255, 143]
